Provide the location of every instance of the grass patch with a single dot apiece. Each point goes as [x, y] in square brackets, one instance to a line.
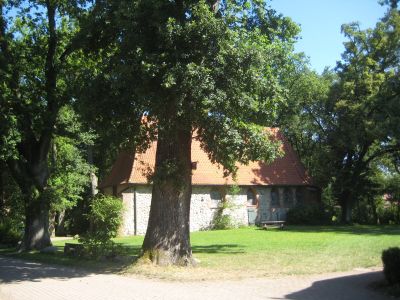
[253, 252]
[295, 250]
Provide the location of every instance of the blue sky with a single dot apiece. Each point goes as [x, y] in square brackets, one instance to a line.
[320, 21]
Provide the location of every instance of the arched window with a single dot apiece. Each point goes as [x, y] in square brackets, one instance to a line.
[251, 197]
[287, 197]
[299, 196]
[274, 197]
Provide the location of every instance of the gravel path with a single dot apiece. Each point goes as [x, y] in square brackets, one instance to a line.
[20, 280]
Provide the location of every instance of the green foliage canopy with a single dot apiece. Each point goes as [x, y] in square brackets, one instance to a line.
[38, 60]
[180, 62]
[347, 121]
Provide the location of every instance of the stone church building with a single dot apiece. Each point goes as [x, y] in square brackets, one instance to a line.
[264, 192]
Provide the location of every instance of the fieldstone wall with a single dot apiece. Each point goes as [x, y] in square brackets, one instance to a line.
[268, 213]
[203, 208]
[128, 225]
[264, 204]
[238, 209]
[143, 201]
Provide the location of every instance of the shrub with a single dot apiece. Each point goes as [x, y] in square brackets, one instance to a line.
[365, 212]
[222, 222]
[309, 214]
[391, 265]
[221, 219]
[94, 249]
[9, 234]
[105, 218]
[389, 214]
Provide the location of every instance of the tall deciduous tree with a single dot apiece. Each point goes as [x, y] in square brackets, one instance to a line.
[211, 70]
[304, 121]
[364, 105]
[35, 71]
[351, 116]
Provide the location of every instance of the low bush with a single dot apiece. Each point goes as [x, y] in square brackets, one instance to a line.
[221, 219]
[222, 222]
[389, 214]
[391, 265]
[9, 234]
[105, 218]
[310, 214]
[94, 249]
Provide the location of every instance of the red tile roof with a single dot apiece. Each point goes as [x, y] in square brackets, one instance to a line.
[287, 170]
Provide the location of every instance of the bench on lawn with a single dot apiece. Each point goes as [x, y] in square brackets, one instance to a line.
[74, 250]
[272, 224]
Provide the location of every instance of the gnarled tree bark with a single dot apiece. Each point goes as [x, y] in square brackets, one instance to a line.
[32, 179]
[167, 240]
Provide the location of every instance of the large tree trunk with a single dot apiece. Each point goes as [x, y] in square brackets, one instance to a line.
[36, 235]
[373, 209]
[347, 207]
[52, 223]
[347, 211]
[32, 180]
[60, 224]
[167, 240]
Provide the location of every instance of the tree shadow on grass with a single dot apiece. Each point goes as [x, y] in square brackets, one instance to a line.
[218, 248]
[349, 229]
[351, 287]
[213, 248]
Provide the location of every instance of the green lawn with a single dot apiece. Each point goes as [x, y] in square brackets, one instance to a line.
[252, 252]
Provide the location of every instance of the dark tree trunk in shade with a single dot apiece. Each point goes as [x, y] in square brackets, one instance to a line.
[32, 180]
[60, 224]
[346, 204]
[167, 239]
[36, 235]
[373, 211]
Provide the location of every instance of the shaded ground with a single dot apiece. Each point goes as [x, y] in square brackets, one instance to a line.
[27, 280]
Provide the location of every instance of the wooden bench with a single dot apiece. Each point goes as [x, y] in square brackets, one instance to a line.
[272, 224]
[74, 250]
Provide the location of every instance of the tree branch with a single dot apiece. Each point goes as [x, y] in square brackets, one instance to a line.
[51, 84]
[392, 149]
[315, 119]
